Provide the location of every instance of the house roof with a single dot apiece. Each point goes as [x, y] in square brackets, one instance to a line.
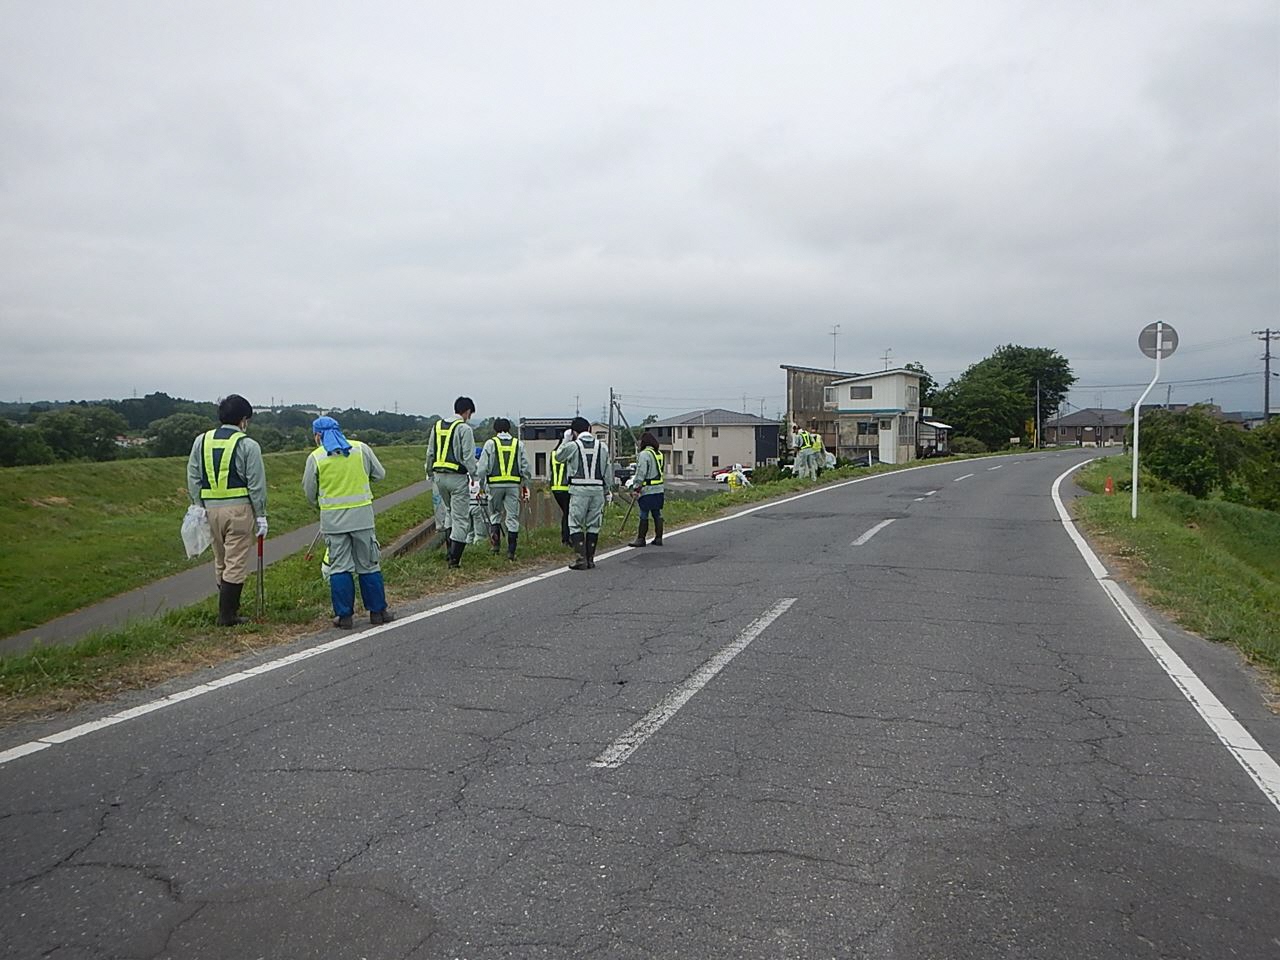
[714, 417]
[880, 373]
[833, 373]
[1092, 417]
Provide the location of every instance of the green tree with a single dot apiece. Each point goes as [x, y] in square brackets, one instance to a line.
[985, 402]
[172, 436]
[1191, 449]
[1033, 364]
[23, 447]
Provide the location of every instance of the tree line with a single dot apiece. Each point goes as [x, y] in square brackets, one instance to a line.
[158, 425]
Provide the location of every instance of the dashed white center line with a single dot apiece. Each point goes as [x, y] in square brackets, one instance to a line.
[925, 497]
[872, 532]
[996, 467]
[965, 477]
[652, 722]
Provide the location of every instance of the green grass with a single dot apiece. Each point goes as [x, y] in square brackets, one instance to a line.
[77, 533]
[1212, 566]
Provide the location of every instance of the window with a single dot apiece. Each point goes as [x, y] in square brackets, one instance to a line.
[689, 454]
[886, 425]
[868, 428]
[860, 393]
[715, 461]
[913, 397]
[540, 464]
[691, 433]
[829, 396]
[715, 431]
[906, 431]
[679, 433]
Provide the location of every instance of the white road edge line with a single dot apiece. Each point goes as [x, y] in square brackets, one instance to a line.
[617, 752]
[1259, 764]
[872, 532]
[34, 746]
[965, 477]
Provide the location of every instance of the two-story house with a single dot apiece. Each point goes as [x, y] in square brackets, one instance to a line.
[876, 413]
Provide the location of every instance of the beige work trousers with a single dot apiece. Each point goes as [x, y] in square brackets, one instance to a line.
[234, 534]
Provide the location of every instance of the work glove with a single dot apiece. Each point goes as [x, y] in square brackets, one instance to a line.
[568, 435]
[262, 526]
[473, 488]
[608, 497]
[524, 494]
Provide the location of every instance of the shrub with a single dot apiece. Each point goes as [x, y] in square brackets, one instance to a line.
[968, 445]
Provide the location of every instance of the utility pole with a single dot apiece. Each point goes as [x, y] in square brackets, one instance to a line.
[1265, 336]
[1037, 413]
[887, 354]
[835, 332]
[613, 451]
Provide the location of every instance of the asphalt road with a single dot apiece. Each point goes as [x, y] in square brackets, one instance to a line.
[800, 733]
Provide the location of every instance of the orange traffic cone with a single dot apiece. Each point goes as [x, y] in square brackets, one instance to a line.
[1109, 487]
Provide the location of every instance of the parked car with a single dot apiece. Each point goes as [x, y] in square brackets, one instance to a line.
[722, 475]
[624, 472]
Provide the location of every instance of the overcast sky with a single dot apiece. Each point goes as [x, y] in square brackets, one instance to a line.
[382, 204]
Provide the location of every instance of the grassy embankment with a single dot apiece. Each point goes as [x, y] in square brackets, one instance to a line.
[77, 533]
[178, 642]
[1211, 566]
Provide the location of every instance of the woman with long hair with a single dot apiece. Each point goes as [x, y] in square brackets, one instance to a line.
[648, 481]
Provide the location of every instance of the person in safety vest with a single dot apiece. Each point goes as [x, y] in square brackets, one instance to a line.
[451, 466]
[802, 441]
[817, 454]
[648, 482]
[504, 468]
[738, 478]
[336, 479]
[226, 478]
[590, 473]
[559, 485]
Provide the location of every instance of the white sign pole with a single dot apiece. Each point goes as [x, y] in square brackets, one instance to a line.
[1137, 417]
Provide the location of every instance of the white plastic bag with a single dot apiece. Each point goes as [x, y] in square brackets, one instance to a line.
[196, 535]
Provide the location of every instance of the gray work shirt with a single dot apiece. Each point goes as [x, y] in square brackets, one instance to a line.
[248, 463]
[349, 519]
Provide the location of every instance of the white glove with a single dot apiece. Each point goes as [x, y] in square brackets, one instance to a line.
[608, 497]
[473, 488]
[568, 435]
[262, 526]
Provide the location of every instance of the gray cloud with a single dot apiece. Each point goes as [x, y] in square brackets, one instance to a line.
[401, 205]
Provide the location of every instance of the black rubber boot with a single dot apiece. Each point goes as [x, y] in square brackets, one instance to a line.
[591, 550]
[229, 605]
[657, 532]
[495, 537]
[454, 552]
[458, 547]
[578, 544]
[640, 534]
[511, 544]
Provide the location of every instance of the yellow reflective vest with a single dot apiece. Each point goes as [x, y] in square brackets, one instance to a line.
[558, 470]
[662, 471]
[444, 447]
[342, 481]
[219, 479]
[503, 470]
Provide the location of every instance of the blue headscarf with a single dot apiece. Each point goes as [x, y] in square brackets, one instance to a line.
[331, 436]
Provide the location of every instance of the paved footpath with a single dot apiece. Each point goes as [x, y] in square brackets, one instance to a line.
[180, 590]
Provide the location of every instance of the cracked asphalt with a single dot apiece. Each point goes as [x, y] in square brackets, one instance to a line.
[950, 746]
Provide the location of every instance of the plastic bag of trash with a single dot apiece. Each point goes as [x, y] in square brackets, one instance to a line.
[830, 460]
[196, 535]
